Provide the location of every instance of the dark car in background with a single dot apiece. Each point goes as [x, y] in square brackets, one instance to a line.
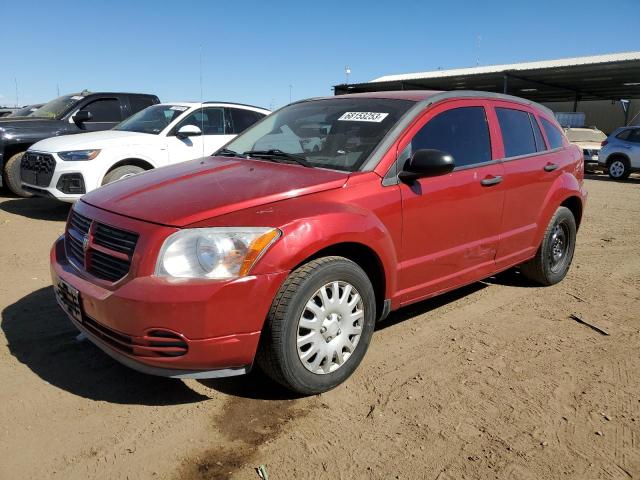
[68, 114]
[26, 110]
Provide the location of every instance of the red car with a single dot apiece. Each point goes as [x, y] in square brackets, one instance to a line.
[286, 255]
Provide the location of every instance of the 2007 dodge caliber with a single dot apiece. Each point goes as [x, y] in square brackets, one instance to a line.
[287, 245]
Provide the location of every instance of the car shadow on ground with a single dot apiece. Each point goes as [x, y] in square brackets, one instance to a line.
[256, 386]
[40, 336]
[605, 178]
[36, 208]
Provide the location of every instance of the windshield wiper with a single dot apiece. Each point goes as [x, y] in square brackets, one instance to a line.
[275, 153]
[225, 152]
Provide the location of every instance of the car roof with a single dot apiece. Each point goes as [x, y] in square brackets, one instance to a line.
[432, 96]
[201, 104]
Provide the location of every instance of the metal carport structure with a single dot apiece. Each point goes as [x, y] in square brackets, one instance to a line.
[612, 77]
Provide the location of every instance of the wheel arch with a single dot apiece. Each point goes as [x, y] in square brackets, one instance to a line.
[612, 156]
[366, 258]
[137, 162]
[574, 204]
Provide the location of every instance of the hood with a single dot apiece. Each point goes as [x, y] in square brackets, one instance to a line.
[11, 124]
[194, 191]
[103, 139]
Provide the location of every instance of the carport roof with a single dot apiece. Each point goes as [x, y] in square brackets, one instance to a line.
[614, 76]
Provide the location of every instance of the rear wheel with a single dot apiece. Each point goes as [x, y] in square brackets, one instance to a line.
[618, 168]
[12, 175]
[554, 256]
[122, 172]
[319, 326]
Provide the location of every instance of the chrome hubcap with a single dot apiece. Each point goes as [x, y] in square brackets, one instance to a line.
[616, 169]
[330, 327]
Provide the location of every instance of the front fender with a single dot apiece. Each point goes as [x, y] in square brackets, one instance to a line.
[564, 187]
[305, 237]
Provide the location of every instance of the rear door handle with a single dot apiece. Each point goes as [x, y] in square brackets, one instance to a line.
[487, 182]
[550, 167]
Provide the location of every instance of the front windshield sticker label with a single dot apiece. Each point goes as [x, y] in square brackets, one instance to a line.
[179, 109]
[77, 97]
[363, 117]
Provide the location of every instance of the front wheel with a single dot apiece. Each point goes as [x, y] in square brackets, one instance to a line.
[12, 175]
[554, 256]
[319, 326]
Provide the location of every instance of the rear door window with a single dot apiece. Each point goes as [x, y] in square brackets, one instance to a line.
[210, 120]
[104, 110]
[242, 119]
[462, 132]
[553, 134]
[517, 132]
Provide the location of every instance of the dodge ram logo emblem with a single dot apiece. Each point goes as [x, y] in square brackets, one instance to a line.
[85, 243]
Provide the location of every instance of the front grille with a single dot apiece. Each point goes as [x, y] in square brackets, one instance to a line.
[37, 168]
[102, 250]
[158, 343]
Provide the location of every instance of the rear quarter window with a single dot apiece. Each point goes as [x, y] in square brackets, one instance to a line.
[553, 134]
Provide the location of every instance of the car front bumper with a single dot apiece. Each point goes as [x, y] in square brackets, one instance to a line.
[211, 329]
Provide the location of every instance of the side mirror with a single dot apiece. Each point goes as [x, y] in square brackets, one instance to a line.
[188, 131]
[82, 116]
[426, 163]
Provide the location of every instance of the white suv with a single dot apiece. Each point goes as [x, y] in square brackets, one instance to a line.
[68, 167]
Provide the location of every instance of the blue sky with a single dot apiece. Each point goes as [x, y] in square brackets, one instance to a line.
[253, 50]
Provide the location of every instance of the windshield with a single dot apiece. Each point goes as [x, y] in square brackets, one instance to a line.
[152, 119]
[337, 133]
[58, 107]
[585, 135]
[24, 112]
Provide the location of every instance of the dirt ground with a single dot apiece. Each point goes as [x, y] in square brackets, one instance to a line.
[491, 381]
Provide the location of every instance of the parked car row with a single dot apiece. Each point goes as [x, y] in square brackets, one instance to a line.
[285, 247]
[68, 167]
[116, 135]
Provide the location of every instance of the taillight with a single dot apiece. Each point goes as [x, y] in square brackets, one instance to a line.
[604, 143]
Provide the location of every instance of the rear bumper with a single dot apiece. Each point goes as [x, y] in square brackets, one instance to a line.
[216, 324]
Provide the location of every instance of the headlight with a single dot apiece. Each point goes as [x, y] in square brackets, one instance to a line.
[220, 252]
[78, 155]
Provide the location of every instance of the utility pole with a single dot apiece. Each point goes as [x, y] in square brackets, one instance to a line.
[478, 40]
[58, 89]
[347, 72]
[290, 88]
[16, 80]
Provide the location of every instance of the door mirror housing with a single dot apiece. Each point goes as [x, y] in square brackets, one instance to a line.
[188, 131]
[426, 163]
[82, 116]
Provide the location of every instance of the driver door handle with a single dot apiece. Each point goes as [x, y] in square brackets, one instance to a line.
[492, 180]
[550, 167]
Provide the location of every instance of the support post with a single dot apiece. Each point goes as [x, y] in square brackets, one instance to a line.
[575, 102]
[505, 84]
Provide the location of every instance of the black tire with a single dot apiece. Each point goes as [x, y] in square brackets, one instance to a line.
[545, 268]
[12, 175]
[618, 168]
[121, 172]
[278, 353]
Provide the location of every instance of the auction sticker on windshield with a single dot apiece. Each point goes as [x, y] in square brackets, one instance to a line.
[363, 117]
